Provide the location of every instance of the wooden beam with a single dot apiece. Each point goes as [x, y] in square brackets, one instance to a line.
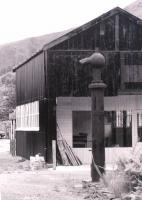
[92, 51]
[116, 32]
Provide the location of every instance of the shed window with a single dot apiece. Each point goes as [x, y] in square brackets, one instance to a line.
[117, 124]
[27, 117]
[118, 128]
[82, 129]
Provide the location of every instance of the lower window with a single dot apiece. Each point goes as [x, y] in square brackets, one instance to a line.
[118, 129]
[81, 129]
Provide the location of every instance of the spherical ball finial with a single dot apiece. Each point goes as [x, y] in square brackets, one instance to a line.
[97, 60]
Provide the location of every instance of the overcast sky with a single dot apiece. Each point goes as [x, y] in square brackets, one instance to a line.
[20, 19]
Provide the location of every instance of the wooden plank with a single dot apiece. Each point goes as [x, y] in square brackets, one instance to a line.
[66, 152]
[71, 155]
[61, 147]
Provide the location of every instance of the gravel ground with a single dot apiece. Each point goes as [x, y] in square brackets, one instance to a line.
[18, 182]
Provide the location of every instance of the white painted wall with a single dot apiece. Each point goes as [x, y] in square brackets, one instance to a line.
[65, 106]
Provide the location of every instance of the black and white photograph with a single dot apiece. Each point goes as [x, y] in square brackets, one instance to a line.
[71, 100]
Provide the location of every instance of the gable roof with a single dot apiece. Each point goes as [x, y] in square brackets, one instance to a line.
[84, 27]
[91, 23]
[50, 37]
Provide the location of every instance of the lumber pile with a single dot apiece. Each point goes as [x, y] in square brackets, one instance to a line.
[67, 155]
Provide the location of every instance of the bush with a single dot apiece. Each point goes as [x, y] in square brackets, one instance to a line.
[118, 182]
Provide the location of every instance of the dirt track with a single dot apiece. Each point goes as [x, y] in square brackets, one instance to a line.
[18, 182]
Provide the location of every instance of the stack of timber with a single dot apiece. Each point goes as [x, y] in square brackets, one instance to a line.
[66, 152]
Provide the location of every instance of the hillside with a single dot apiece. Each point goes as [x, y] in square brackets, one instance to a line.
[14, 53]
[135, 8]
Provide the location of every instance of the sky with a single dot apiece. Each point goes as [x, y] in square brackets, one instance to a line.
[20, 19]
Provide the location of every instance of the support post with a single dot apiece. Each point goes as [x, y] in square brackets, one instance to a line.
[54, 153]
[98, 149]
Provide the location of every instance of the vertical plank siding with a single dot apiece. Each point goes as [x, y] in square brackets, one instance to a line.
[131, 71]
[130, 34]
[30, 80]
[115, 33]
[69, 78]
[96, 36]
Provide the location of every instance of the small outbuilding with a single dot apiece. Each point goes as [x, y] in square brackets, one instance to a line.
[52, 89]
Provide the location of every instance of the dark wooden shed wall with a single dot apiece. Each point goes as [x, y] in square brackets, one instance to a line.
[96, 36]
[130, 34]
[67, 77]
[30, 80]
